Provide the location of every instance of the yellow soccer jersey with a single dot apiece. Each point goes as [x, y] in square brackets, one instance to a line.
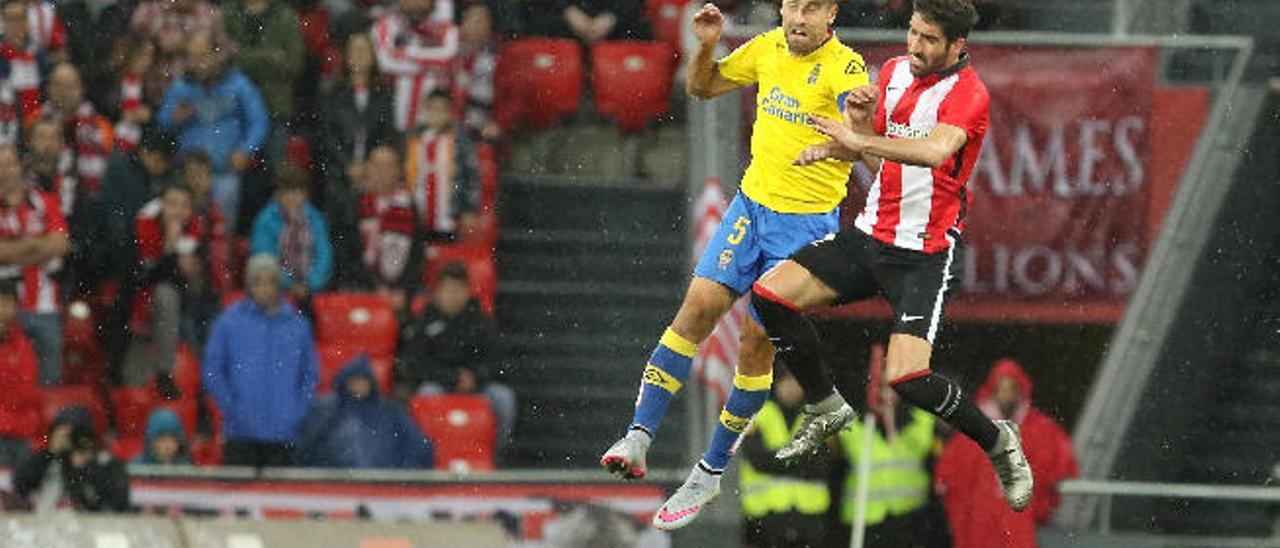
[790, 88]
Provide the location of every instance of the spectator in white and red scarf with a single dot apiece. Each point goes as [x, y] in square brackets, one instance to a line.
[294, 232]
[33, 240]
[49, 164]
[21, 72]
[170, 24]
[443, 174]
[133, 57]
[473, 75]
[418, 51]
[392, 248]
[88, 134]
[169, 260]
[44, 30]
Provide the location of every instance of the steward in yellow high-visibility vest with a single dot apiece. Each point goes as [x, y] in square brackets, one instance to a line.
[782, 506]
[899, 481]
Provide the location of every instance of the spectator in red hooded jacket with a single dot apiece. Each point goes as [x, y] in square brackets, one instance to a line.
[19, 398]
[973, 502]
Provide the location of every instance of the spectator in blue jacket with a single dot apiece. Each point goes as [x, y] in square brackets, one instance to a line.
[292, 230]
[260, 368]
[165, 441]
[356, 427]
[215, 108]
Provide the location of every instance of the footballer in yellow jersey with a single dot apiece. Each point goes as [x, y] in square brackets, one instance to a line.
[802, 69]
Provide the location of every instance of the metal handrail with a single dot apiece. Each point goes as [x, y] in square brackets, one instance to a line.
[345, 475]
[1201, 491]
[1039, 38]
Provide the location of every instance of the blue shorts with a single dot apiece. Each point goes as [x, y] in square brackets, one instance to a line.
[752, 238]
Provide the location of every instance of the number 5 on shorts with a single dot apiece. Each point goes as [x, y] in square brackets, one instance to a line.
[740, 228]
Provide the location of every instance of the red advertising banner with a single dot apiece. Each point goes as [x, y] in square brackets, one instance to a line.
[1071, 184]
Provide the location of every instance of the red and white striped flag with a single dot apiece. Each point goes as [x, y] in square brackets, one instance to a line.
[714, 364]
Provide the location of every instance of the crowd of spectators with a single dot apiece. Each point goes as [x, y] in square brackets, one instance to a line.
[190, 174]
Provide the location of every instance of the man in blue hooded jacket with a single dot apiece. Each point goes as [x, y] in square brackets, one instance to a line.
[217, 109]
[356, 427]
[260, 368]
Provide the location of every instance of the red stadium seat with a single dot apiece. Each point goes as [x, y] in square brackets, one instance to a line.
[462, 427]
[83, 361]
[664, 18]
[207, 451]
[126, 449]
[54, 399]
[632, 81]
[133, 405]
[357, 321]
[186, 373]
[480, 269]
[333, 357]
[539, 79]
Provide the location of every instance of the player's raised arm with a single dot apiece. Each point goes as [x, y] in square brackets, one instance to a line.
[930, 151]
[858, 113]
[703, 79]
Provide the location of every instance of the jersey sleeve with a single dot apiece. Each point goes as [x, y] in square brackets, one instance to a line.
[54, 222]
[966, 108]
[852, 74]
[739, 66]
[882, 82]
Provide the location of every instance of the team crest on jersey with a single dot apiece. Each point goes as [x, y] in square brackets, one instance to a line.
[813, 74]
[726, 257]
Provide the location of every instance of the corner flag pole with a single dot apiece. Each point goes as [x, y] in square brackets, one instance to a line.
[857, 538]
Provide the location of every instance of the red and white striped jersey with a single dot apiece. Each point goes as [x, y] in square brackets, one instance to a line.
[914, 207]
[36, 215]
[419, 57]
[431, 174]
[44, 28]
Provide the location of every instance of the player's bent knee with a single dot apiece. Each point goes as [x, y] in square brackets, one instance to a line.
[908, 355]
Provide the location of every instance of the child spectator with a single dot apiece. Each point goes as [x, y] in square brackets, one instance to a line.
[418, 51]
[452, 347]
[356, 427]
[19, 383]
[260, 368]
[73, 470]
[473, 77]
[197, 173]
[443, 173]
[166, 441]
[33, 240]
[293, 231]
[134, 54]
[392, 249]
[169, 260]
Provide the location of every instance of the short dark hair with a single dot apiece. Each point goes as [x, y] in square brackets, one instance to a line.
[956, 17]
[9, 287]
[453, 271]
[158, 140]
[180, 187]
[197, 156]
[290, 176]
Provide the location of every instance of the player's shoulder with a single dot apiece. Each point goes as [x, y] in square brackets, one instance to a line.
[970, 82]
[892, 63]
[843, 55]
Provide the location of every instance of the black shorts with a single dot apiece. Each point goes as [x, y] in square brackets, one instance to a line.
[859, 267]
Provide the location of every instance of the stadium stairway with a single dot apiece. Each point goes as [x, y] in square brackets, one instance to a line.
[590, 277]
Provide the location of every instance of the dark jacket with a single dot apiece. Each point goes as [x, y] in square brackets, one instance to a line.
[100, 486]
[126, 187]
[547, 18]
[434, 347]
[269, 51]
[261, 371]
[344, 128]
[341, 431]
